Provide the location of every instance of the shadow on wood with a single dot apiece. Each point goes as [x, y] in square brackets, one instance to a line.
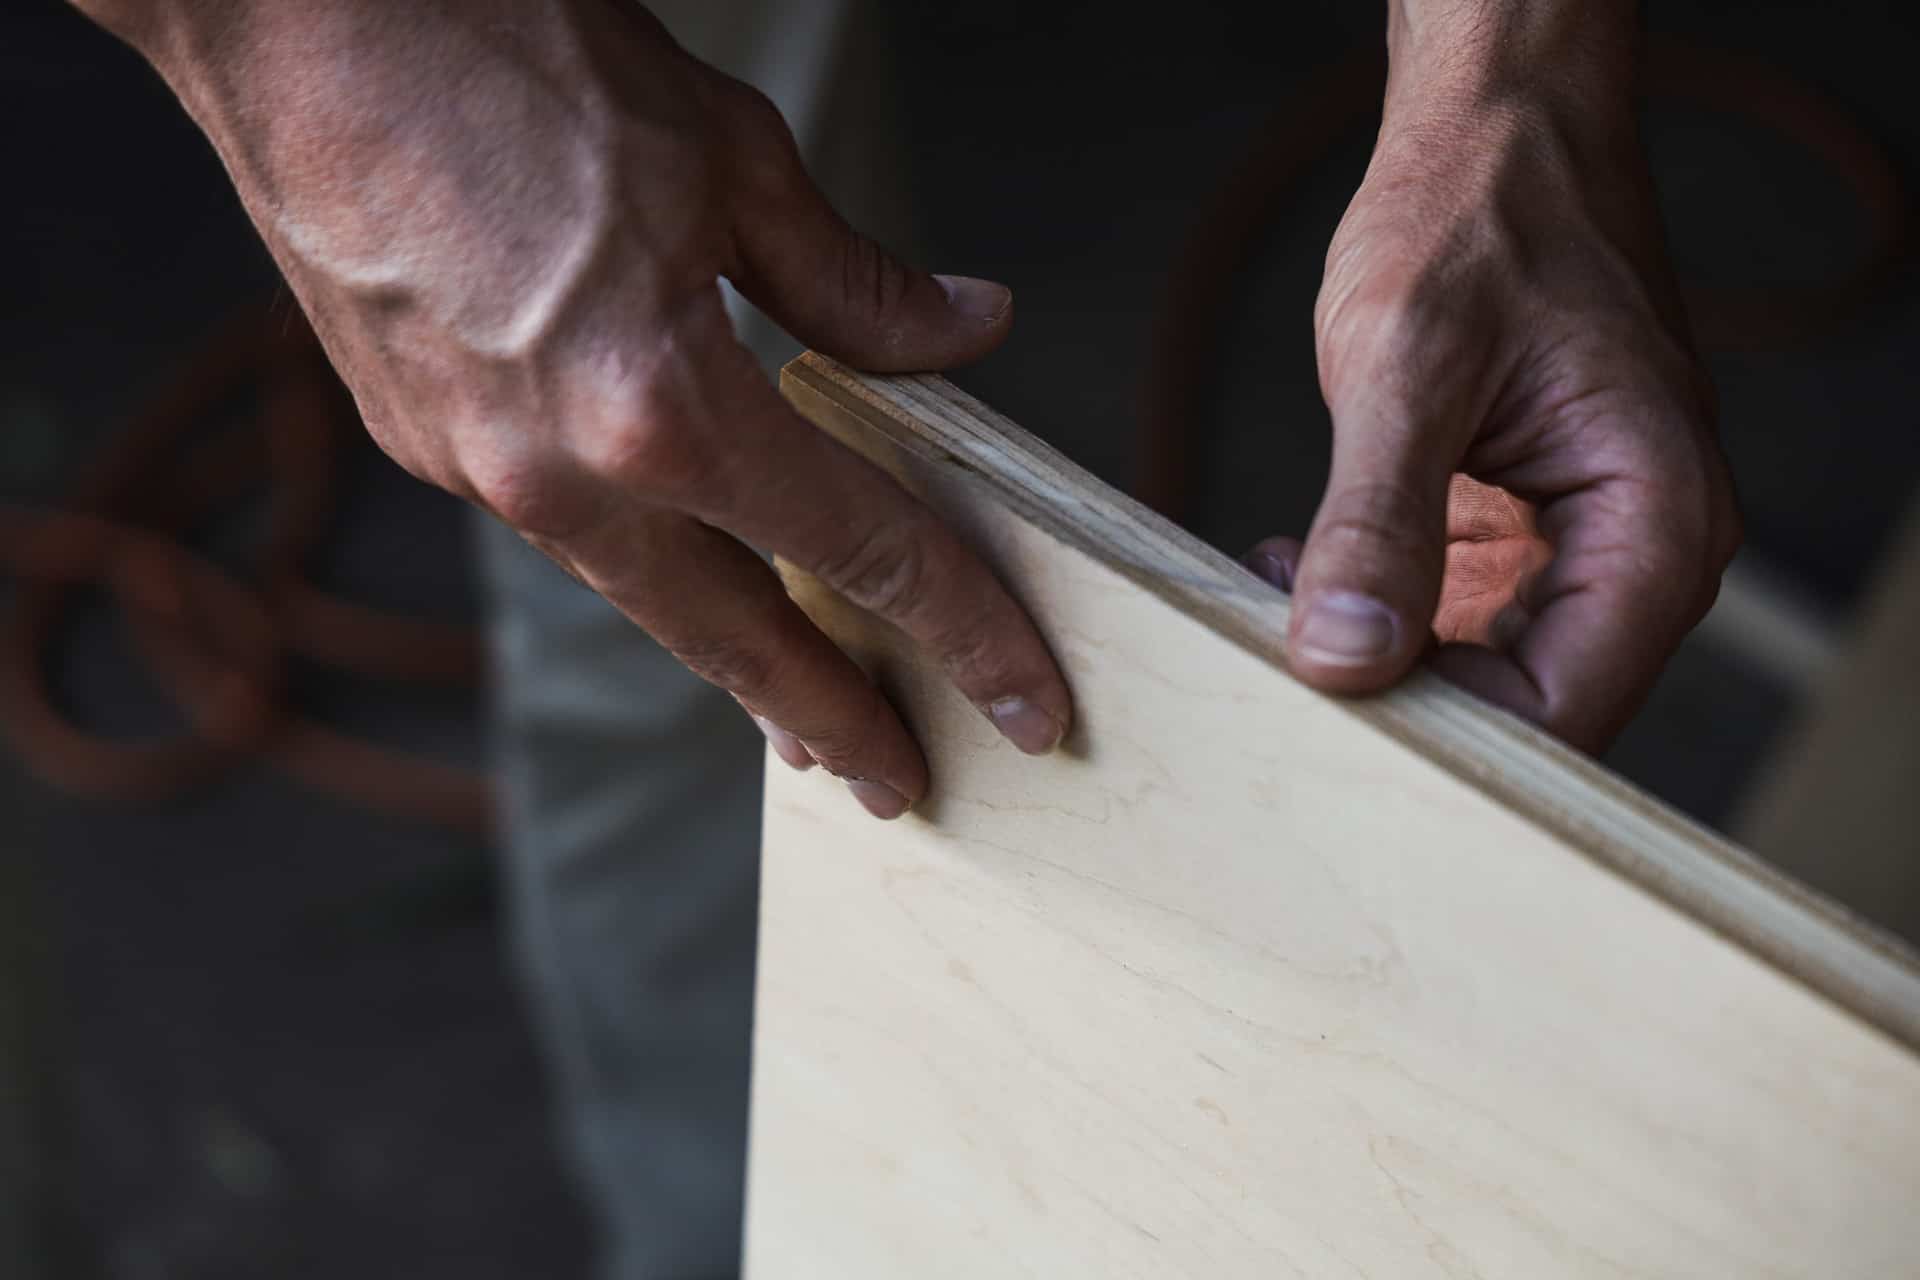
[1259, 983]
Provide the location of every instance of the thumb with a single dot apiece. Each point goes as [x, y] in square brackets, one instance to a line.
[840, 292]
[1369, 577]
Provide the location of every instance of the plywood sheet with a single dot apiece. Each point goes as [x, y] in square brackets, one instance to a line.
[1249, 982]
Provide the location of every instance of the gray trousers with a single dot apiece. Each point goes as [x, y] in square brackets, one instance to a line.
[632, 820]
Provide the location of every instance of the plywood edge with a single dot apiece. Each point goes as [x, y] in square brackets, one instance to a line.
[1868, 973]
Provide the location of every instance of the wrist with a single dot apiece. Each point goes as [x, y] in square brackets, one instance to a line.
[1570, 61]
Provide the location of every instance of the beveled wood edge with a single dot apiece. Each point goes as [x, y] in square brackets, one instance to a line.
[1858, 967]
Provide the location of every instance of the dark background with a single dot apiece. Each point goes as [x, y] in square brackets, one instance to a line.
[256, 1030]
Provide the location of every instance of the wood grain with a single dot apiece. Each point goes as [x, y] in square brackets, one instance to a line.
[1248, 982]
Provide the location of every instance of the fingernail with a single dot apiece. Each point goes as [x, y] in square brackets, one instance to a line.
[1346, 629]
[975, 298]
[1271, 567]
[1026, 725]
[879, 799]
[785, 745]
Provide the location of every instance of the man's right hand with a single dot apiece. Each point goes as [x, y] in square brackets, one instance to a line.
[508, 223]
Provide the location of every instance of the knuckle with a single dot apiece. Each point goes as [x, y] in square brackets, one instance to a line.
[853, 741]
[884, 570]
[1378, 514]
[645, 444]
[990, 653]
[840, 748]
[1425, 324]
[974, 657]
[872, 281]
[526, 488]
[742, 669]
[1372, 326]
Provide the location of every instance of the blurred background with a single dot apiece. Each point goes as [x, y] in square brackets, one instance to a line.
[257, 1020]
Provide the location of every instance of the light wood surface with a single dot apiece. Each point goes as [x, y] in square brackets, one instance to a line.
[1250, 983]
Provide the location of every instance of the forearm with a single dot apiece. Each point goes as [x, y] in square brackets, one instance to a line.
[453, 153]
[322, 70]
[243, 68]
[1490, 99]
[166, 31]
[1579, 54]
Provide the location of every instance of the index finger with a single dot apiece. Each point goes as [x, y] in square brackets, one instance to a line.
[787, 486]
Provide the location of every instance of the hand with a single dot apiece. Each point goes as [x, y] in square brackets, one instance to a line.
[508, 223]
[1524, 465]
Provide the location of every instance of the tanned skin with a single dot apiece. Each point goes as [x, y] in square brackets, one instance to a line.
[508, 220]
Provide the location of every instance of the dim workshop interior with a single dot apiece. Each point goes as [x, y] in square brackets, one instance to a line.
[1243, 979]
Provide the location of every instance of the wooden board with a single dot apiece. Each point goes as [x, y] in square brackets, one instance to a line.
[1250, 982]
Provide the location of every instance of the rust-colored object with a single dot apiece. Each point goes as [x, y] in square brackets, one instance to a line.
[217, 643]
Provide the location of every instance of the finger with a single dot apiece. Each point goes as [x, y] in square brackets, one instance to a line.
[834, 288]
[1369, 576]
[1494, 551]
[1482, 592]
[1276, 560]
[721, 445]
[796, 491]
[789, 748]
[723, 612]
[1625, 585]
